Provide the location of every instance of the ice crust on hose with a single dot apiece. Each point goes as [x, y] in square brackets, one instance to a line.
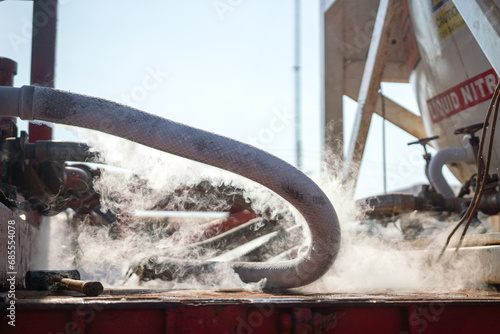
[220, 152]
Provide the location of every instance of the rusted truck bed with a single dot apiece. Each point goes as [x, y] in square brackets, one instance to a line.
[232, 311]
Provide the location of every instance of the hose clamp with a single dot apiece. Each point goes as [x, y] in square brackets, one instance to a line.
[25, 104]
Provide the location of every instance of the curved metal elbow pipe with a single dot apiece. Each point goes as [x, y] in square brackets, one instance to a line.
[78, 110]
[444, 156]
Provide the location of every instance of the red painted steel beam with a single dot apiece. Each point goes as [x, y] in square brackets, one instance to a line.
[43, 55]
[223, 225]
[271, 317]
[43, 44]
[39, 131]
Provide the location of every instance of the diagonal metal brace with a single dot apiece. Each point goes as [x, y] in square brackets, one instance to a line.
[372, 76]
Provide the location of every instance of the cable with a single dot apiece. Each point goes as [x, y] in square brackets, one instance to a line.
[482, 177]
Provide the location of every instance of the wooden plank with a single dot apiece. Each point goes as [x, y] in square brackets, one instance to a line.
[334, 80]
[326, 5]
[488, 239]
[399, 116]
[372, 76]
[393, 72]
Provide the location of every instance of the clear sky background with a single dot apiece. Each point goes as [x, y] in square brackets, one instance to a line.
[225, 66]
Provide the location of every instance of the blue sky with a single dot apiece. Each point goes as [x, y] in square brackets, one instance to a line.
[221, 65]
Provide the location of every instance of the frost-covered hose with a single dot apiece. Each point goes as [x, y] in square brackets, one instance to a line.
[56, 106]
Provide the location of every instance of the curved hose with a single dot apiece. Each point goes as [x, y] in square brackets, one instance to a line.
[78, 110]
[444, 156]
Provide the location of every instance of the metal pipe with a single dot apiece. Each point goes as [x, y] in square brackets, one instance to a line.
[43, 43]
[48, 150]
[8, 69]
[490, 203]
[285, 180]
[384, 206]
[390, 204]
[442, 157]
[17, 102]
[43, 56]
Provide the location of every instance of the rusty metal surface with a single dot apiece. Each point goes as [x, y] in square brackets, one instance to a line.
[231, 311]
[43, 56]
[118, 298]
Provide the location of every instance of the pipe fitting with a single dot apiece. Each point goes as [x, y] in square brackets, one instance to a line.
[444, 156]
[17, 102]
[390, 204]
